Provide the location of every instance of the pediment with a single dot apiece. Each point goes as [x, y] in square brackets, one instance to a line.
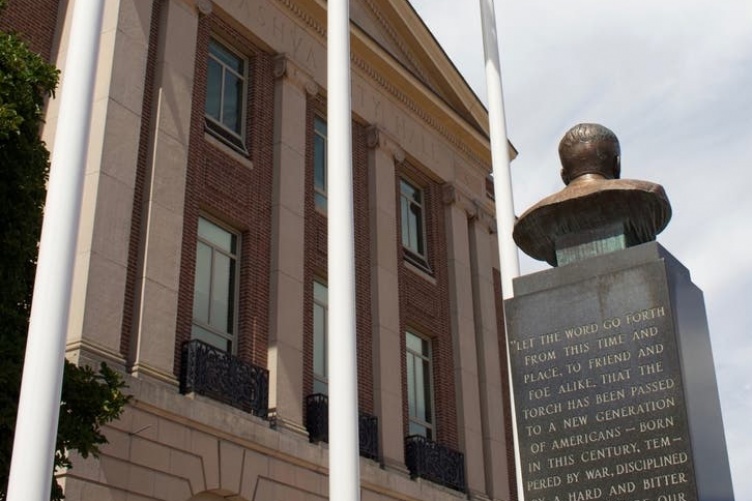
[398, 29]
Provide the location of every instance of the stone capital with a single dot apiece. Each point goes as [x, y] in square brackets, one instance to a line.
[204, 6]
[453, 194]
[284, 67]
[376, 137]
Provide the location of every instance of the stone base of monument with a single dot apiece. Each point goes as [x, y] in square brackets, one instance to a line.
[614, 383]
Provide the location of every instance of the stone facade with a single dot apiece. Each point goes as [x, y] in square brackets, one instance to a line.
[155, 168]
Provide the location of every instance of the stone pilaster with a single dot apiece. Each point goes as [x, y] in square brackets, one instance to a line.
[96, 312]
[153, 340]
[287, 267]
[458, 208]
[387, 337]
[490, 366]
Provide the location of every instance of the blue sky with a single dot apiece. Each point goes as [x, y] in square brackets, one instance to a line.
[673, 80]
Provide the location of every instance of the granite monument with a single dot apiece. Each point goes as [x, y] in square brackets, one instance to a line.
[612, 370]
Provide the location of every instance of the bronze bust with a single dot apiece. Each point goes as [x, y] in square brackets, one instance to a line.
[595, 199]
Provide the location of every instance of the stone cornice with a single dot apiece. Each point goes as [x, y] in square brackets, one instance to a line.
[406, 101]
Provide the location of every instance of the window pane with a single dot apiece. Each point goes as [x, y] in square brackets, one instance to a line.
[213, 89]
[319, 126]
[424, 402]
[404, 205]
[211, 338]
[227, 58]
[319, 340]
[419, 389]
[202, 283]
[320, 325]
[411, 398]
[221, 295]
[217, 236]
[414, 343]
[214, 290]
[407, 189]
[417, 429]
[231, 106]
[319, 162]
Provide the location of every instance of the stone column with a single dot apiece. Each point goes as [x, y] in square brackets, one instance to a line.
[287, 265]
[458, 207]
[490, 366]
[96, 316]
[152, 350]
[387, 337]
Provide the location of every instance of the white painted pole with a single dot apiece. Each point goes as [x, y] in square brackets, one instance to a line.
[508, 257]
[510, 266]
[344, 458]
[39, 404]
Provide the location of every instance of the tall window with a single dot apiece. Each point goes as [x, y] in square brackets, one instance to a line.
[419, 386]
[214, 297]
[319, 163]
[225, 91]
[320, 325]
[413, 226]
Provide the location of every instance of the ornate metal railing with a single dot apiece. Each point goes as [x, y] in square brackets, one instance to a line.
[221, 376]
[317, 424]
[437, 463]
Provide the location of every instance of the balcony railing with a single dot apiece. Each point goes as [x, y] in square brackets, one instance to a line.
[317, 424]
[221, 376]
[437, 463]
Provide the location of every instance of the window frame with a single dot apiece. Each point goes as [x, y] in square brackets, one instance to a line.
[232, 336]
[429, 426]
[320, 194]
[320, 381]
[414, 255]
[216, 127]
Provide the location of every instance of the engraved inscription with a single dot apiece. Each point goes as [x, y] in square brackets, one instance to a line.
[600, 410]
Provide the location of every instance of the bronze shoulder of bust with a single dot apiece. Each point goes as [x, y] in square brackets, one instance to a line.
[595, 199]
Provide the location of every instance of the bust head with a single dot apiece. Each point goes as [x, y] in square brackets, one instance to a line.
[589, 149]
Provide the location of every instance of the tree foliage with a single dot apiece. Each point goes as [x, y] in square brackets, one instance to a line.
[89, 399]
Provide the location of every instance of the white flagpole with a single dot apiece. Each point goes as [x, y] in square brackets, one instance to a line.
[508, 257]
[510, 266]
[344, 458]
[39, 403]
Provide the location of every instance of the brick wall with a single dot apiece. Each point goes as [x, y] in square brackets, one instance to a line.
[316, 257]
[221, 186]
[424, 306]
[35, 21]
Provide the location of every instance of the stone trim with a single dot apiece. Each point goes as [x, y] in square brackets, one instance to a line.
[452, 194]
[376, 137]
[284, 67]
[377, 77]
[204, 6]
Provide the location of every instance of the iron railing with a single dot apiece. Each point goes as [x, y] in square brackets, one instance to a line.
[437, 463]
[317, 424]
[214, 373]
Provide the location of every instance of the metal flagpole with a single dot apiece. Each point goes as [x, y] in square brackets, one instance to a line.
[39, 404]
[510, 266]
[344, 459]
[508, 257]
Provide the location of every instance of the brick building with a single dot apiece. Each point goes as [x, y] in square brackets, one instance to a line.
[201, 267]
